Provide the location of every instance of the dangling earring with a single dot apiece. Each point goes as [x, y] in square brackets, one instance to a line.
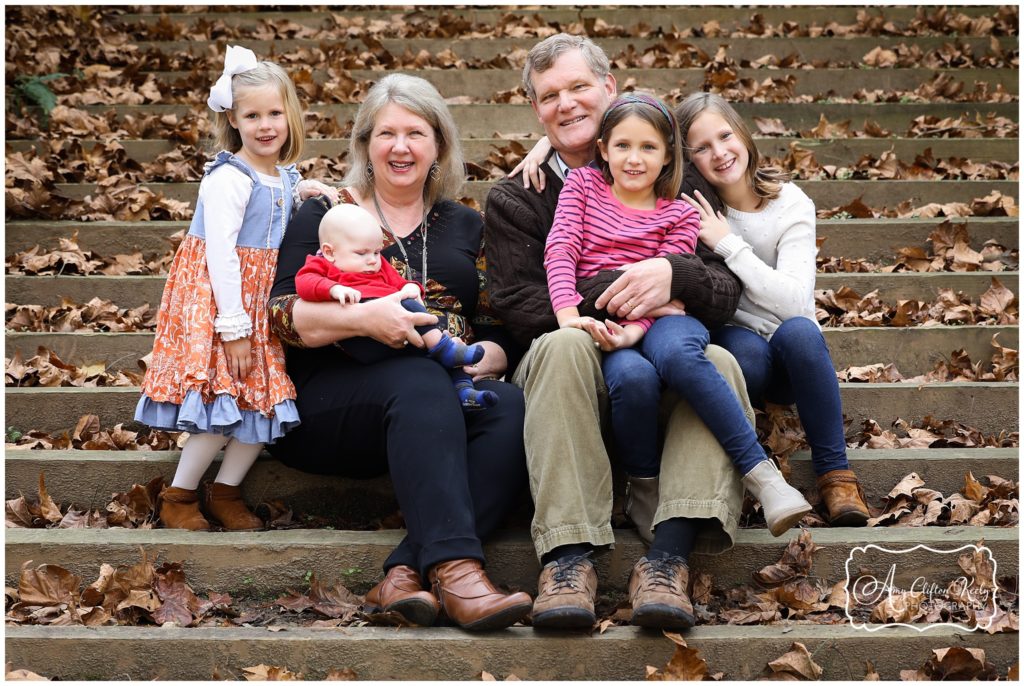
[369, 169]
[435, 171]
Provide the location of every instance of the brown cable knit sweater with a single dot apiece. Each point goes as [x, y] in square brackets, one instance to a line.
[516, 225]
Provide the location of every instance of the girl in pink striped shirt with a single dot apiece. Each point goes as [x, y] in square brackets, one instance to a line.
[621, 213]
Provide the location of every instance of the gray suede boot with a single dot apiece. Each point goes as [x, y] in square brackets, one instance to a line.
[641, 504]
[783, 505]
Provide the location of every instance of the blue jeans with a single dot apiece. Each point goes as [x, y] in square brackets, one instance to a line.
[671, 355]
[794, 366]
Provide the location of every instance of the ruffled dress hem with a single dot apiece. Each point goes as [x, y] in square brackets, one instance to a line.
[222, 416]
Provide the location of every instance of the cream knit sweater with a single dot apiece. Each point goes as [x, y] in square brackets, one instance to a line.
[773, 253]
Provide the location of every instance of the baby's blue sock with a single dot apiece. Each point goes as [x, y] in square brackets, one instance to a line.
[469, 397]
[450, 353]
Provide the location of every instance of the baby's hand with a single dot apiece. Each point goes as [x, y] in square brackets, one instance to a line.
[410, 291]
[310, 188]
[345, 295]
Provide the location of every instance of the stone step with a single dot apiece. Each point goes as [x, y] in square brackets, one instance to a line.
[87, 478]
[836, 151]
[845, 49]
[729, 18]
[876, 240]
[132, 291]
[267, 562]
[991, 407]
[485, 83]
[487, 120]
[383, 653]
[913, 350]
[825, 194]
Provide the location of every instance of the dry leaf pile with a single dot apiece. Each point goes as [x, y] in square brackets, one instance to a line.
[95, 315]
[909, 503]
[930, 433]
[1004, 366]
[88, 435]
[125, 595]
[846, 307]
[801, 164]
[48, 370]
[950, 252]
[70, 260]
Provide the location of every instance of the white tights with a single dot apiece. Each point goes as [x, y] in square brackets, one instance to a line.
[198, 454]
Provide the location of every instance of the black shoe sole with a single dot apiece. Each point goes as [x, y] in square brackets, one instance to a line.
[564, 618]
[415, 611]
[853, 518]
[658, 616]
[500, 620]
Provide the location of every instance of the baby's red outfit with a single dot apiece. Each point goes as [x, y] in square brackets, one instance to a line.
[314, 281]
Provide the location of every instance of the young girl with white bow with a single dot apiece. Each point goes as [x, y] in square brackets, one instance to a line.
[216, 370]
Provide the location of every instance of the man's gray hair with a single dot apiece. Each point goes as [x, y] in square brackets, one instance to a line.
[543, 55]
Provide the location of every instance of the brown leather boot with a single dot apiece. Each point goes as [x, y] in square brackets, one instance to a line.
[470, 599]
[402, 591]
[179, 509]
[657, 591]
[843, 497]
[224, 504]
[641, 504]
[565, 595]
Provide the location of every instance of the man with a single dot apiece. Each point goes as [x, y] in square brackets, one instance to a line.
[694, 504]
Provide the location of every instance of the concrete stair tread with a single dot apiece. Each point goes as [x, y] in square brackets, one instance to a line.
[267, 562]
[826, 194]
[619, 653]
[837, 151]
[86, 479]
[914, 350]
[132, 291]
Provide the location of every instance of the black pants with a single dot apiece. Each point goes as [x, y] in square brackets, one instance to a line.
[456, 475]
[367, 350]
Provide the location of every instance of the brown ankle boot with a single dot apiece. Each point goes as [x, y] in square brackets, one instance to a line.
[843, 497]
[402, 591]
[224, 504]
[179, 509]
[470, 599]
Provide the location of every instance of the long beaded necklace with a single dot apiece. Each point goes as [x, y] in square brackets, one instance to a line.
[401, 246]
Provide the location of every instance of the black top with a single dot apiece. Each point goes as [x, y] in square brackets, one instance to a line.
[456, 278]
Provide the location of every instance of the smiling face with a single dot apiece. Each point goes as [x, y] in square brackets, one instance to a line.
[570, 102]
[636, 154]
[718, 153]
[401, 149]
[260, 118]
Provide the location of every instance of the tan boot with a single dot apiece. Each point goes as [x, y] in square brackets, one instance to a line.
[565, 595]
[782, 504]
[179, 509]
[225, 505]
[657, 591]
[470, 599]
[641, 504]
[402, 591]
[844, 498]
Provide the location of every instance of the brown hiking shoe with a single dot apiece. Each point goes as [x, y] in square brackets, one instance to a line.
[565, 595]
[657, 591]
[225, 505]
[402, 591]
[179, 509]
[843, 498]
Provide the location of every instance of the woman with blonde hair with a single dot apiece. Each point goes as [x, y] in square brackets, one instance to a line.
[455, 474]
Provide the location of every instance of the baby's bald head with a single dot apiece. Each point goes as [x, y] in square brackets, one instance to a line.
[351, 239]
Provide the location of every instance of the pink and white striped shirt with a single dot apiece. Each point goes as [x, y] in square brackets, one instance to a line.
[593, 231]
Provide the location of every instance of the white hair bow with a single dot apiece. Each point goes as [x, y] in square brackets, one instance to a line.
[236, 61]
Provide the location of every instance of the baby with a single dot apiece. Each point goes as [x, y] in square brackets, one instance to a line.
[349, 269]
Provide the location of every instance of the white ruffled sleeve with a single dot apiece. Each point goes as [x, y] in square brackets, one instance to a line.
[225, 193]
